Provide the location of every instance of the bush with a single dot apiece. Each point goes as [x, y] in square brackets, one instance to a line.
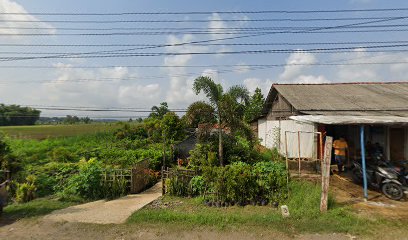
[176, 186]
[197, 186]
[52, 177]
[88, 182]
[26, 191]
[236, 149]
[131, 132]
[115, 188]
[62, 154]
[202, 155]
[241, 182]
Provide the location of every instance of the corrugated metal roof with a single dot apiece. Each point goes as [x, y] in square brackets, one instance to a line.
[347, 97]
[345, 120]
[358, 113]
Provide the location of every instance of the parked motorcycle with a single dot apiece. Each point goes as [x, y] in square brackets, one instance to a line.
[391, 180]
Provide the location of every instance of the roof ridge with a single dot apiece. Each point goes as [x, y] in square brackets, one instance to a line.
[341, 83]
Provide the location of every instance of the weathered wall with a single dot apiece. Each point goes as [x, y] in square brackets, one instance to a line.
[272, 135]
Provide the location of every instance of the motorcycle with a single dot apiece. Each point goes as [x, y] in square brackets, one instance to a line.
[391, 180]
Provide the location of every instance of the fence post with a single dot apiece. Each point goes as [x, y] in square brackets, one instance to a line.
[326, 173]
[162, 180]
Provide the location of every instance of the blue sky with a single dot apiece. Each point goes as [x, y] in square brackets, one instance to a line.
[65, 83]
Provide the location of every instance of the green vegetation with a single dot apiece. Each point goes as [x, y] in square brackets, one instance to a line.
[228, 106]
[254, 106]
[35, 208]
[41, 132]
[237, 183]
[303, 203]
[13, 115]
[72, 167]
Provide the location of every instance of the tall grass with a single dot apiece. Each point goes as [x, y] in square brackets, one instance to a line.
[303, 203]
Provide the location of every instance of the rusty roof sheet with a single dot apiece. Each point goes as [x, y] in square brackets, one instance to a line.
[346, 97]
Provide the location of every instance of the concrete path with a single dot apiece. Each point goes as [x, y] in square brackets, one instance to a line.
[105, 212]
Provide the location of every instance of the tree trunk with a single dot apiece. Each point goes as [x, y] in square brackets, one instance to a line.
[220, 149]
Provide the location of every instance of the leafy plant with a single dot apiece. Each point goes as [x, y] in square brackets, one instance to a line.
[88, 182]
[176, 186]
[197, 186]
[26, 191]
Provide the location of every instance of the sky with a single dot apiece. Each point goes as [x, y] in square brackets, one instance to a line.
[32, 71]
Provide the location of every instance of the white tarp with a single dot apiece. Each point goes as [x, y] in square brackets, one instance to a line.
[350, 119]
[272, 135]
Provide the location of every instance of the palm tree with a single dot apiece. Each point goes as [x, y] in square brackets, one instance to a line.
[228, 105]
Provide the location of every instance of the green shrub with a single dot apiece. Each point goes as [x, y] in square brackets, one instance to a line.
[115, 188]
[131, 132]
[197, 186]
[241, 182]
[202, 155]
[62, 154]
[176, 186]
[88, 182]
[26, 191]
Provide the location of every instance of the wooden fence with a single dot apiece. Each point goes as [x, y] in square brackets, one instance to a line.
[184, 175]
[136, 178]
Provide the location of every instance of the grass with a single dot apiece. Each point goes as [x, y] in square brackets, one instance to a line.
[304, 217]
[40, 132]
[35, 208]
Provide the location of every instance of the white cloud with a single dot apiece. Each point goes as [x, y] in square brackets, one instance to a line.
[180, 92]
[311, 79]
[98, 87]
[253, 83]
[217, 26]
[10, 27]
[292, 70]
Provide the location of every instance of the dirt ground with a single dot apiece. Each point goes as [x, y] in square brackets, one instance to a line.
[344, 190]
[43, 229]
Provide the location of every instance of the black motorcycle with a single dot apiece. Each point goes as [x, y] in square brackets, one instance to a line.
[391, 180]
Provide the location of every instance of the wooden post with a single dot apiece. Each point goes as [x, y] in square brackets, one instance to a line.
[162, 180]
[321, 146]
[299, 151]
[287, 163]
[326, 173]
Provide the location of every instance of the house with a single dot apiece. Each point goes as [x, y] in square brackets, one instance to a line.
[295, 116]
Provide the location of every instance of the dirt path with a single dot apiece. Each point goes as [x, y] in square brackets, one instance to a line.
[47, 230]
[346, 192]
[105, 212]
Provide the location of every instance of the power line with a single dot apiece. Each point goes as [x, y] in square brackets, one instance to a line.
[290, 30]
[267, 50]
[213, 40]
[206, 44]
[195, 29]
[246, 67]
[198, 20]
[160, 54]
[210, 12]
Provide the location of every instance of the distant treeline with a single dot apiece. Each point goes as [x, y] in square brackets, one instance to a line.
[15, 115]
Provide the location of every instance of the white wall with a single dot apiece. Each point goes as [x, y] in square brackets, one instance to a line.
[272, 133]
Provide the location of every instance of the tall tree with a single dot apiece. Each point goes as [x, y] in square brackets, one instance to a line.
[12, 115]
[254, 107]
[198, 113]
[226, 104]
[159, 111]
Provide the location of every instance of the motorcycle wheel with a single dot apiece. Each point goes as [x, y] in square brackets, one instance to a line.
[392, 191]
[357, 176]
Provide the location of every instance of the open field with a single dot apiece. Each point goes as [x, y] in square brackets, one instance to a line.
[52, 131]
